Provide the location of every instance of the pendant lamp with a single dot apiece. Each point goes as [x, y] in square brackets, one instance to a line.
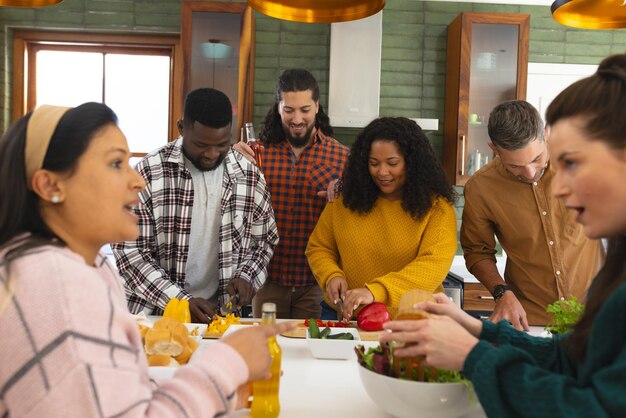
[317, 11]
[29, 3]
[590, 14]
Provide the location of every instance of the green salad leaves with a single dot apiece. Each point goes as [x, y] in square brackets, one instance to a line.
[566, 314]
[380, 360]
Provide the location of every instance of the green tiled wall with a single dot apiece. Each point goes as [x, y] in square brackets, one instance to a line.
[413, 59]
[414, 46]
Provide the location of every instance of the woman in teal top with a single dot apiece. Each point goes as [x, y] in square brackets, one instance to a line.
[581, 373]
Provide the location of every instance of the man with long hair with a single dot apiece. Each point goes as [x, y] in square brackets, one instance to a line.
[300, 159]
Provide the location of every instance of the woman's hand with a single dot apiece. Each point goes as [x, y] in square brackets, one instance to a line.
[443, 342]
[336, 289]
[355, 298]
[445, 306]
[251, 344]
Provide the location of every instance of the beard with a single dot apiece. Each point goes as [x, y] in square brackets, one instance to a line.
[298, 141]
[536, 178]
[197, 162]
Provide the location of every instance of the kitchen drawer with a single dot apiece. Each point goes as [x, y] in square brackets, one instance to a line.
[476, 297]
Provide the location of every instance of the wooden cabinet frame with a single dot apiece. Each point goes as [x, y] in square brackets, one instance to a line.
[245, 89]
[458, 82]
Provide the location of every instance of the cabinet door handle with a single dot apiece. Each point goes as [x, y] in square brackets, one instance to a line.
[485, 297]
[462, 155]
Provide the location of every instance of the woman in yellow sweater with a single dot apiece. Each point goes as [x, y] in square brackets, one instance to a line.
[393, 228]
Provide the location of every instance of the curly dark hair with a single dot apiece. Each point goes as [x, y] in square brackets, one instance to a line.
[424, 175]
[295, 79]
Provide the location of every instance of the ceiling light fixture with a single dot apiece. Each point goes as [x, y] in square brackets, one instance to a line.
[317, 11]
[29, 3]
[590, 14]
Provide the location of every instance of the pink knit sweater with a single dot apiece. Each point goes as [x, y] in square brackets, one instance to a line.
[69, 348]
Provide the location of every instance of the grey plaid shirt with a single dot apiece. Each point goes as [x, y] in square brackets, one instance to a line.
[153, 266]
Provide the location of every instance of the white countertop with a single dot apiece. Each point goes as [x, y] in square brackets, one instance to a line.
[458, 268]
[313, 388]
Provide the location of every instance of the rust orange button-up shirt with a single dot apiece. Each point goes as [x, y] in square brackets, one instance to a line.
[548, 256]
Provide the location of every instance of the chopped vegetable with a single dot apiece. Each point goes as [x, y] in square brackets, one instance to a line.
[373, 316]
[566, 314]
[220, 324]
[321, 323]
[314, 331]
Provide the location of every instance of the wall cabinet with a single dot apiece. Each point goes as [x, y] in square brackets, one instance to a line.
[486, 65]
[217, 40]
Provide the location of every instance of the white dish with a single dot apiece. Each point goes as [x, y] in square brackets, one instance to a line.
[407, 399]
[192, 327]
[334, 349]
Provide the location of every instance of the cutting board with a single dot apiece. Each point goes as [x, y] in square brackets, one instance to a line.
[300, 332]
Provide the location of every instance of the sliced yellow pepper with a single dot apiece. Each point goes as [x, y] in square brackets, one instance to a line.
[178, 309]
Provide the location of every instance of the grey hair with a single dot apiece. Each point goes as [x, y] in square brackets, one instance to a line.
[514, 124]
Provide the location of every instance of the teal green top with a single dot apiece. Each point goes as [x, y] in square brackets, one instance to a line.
[518, 375]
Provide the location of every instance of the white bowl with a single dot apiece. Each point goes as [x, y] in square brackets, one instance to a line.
[407, 399]
[201, 329]
[334, 349]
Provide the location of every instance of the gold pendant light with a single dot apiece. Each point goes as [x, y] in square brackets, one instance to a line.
[590, 14]
[318, 11]
[29, 3]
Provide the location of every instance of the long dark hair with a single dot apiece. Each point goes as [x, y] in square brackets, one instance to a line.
[295, 79]
[600, 101]
[19, 206]
[425, 179]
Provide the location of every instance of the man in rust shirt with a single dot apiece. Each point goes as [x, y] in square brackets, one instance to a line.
[299, 161]
[548, 256]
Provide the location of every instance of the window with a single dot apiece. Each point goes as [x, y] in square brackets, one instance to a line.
[134, 75]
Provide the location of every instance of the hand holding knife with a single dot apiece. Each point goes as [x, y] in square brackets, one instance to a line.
[231, 305]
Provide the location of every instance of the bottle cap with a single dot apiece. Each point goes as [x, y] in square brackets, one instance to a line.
[269, 307]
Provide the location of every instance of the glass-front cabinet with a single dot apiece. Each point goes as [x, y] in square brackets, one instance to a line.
[487, 64]
[218, 50]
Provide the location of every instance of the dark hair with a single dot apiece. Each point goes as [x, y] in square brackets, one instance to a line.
[599, 101]
[208, 106]
[19, 206]
[292, 80]
[425, 179]
[514, 124]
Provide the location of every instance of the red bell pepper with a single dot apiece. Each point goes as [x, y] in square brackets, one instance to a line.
[373, 316]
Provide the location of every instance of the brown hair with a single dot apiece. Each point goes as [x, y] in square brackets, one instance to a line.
[514, 124]
[599, 100]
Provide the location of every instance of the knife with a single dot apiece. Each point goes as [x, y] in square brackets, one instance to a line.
[232, 302]
[340, 304]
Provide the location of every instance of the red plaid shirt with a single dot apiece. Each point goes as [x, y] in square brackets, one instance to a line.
[294, 184]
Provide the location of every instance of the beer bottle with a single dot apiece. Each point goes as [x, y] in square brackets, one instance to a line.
[253, 143]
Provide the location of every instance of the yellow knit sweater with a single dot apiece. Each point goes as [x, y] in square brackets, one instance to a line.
[386, 250]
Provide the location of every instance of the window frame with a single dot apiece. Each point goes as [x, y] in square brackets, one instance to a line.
[26, 43]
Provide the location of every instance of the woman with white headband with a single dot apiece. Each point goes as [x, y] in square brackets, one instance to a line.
[69, 346]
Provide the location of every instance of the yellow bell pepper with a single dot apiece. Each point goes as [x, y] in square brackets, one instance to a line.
[178, 309]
